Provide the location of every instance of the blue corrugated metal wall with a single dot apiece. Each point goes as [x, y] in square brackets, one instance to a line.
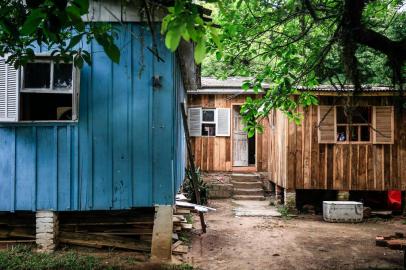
[127, 150]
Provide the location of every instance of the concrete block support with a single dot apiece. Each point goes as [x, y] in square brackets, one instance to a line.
[161, 248]
[290, 199]
[278, 195]
[343, 195]
[46, 234]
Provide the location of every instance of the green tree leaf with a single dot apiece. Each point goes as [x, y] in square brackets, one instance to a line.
[200, 51]
[32, 22]
[113, 52]
[172, 39]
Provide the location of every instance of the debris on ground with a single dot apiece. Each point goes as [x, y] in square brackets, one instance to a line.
[199, 208]
[182, 221]
[397, 241]
[383, 214]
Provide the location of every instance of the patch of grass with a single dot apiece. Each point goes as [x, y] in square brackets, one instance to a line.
[23, 258]
[132, 260]
[284, 211]
[179, 267]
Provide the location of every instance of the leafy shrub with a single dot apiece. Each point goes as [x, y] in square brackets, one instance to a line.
[188, 187]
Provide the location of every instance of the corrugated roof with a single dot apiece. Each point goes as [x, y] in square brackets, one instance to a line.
[347, 88]
[233, 85]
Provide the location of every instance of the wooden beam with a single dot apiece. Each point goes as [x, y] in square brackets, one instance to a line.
[195, 180]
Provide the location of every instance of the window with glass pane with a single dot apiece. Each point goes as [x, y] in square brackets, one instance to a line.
[208, 122]
[208, 115]
[47, 92]
[37, 75]
[353, 124]
[62, 76]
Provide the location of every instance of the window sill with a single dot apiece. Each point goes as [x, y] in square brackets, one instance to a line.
[49, 123]
[353, 142]
[46, 91]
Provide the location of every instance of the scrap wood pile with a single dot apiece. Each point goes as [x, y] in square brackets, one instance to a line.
[397, 241]
[181, 218]
[129, 230]
[17, 227]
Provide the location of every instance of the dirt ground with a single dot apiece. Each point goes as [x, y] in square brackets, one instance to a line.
[305, 242]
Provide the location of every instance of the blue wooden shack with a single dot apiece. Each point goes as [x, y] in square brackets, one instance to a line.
[125, 148]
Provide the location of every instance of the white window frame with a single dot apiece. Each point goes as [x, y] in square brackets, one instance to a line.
[215, 114]
[215, 122]
[209, 122]
[50, 90]
[74, 90]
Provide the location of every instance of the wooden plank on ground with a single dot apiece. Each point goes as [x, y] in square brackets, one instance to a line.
[181, 249]
[100, 241]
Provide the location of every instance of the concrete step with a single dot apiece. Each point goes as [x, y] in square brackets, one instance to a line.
[249, 197]
[247, 185]
[248, 191]
[241, 177]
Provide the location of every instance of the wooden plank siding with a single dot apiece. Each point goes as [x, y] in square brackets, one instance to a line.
[279, 160]
[126, 150]
[214, 153]
[297, 160]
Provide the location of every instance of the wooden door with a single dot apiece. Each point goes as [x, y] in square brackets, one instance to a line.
[240, 140]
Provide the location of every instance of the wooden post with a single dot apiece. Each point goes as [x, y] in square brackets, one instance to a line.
[195, 180]
[161, 247]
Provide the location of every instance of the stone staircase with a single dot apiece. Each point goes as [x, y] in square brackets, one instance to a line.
[247, 187]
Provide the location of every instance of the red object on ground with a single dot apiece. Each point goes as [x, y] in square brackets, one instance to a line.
[395, 199]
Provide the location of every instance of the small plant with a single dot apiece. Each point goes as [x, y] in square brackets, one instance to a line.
[189, 218]
[284, 211]
[185, 237]
[188, 186]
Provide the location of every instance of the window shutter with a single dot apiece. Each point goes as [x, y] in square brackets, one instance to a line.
[326, 124]
[195, 122]
[383, 125]
[8, 92]
[223, 122]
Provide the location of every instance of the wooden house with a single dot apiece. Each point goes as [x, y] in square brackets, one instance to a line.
[106, 137]
[340, 146]
[337, 147]
[219, 141]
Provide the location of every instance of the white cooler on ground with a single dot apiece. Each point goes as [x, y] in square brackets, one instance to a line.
[342, 211]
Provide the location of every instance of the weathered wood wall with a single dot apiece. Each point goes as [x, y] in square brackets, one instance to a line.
[214, 153]
[298, 161]
[112, 158]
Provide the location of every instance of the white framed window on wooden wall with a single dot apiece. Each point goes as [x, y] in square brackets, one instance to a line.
[209, 122]
[362, 125]
[42, 90]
